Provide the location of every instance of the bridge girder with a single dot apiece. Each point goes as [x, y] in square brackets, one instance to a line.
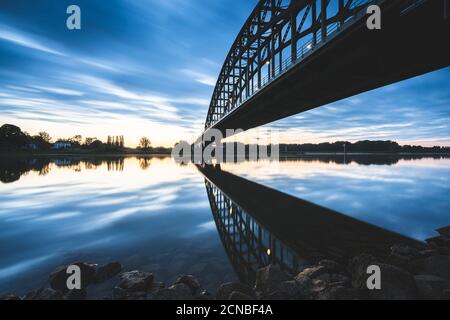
[261, 49]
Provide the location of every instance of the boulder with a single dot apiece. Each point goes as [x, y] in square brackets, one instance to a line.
[438, 265]
[204, 295]
[43, 294]
[236, 295]
[314, 271]
[293, 290]
[404, 250]
[9, 297]
[178, 291]
[430, 286]
[340, 278]
[76, 294]
[357, 267]
[338, 293]
[225, 290]
[107, 271]
[396, 284]
[330, 265]
[445, 294]
[305, 285]
[190, 281]
[444, 231]
[268, 278]
[136, 281]
[58, 278]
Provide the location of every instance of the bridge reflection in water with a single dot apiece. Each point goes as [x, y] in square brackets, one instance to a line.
[260, 226]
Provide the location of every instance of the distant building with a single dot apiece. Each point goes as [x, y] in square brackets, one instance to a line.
[61, 145]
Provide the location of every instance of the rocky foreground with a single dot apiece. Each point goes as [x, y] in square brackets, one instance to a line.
[407, 273]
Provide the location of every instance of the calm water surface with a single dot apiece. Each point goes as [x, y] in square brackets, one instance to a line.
[154, 215]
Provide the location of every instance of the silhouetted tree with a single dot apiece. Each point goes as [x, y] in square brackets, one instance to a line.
[45, 137]
[144, 143]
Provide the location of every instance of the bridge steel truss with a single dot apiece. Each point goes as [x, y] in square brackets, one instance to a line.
[277, 35]
[249, 246]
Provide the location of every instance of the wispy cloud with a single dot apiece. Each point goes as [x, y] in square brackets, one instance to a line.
[14, 36]
[200, 77]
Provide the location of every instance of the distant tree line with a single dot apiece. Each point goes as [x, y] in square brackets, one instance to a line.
[12, 138]
[365, 146]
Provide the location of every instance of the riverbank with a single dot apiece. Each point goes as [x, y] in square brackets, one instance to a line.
[83, 153]
[408, 273]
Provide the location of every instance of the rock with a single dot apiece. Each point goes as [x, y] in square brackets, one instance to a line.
[190, 281]
[340, 278]
[204, 295]
[444, 231]
[136, 281]
[293, 290]
[439, 241]
[330, 265]
[438, 265]
[107, 271]
[43, 294]
[236, 295]
[404, 250]
[445, 294]
[317, 287]
[132, 283]
[357, 267]
[427, 253]
[314, 272]
[178, 291]
[304, 286]
[9, 297]
[225, 290]
[76, 294]
[430, 287]
[58, 278]
[325, 277]
[396, 284]
[269, 277]
[338, 293]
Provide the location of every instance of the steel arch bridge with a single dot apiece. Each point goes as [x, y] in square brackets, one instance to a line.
[294, 55]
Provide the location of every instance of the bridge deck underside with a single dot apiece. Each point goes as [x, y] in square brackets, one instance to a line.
[356, 61]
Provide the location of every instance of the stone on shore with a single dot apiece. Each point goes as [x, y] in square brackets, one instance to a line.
[396, 284]
[444, 231]
[107, 271]
[178, 291]
[438, 265]
[43, 294]
[338, 293]
[9, 297]
[236, 295]
[132, 284]
[76, 294]
[226, 289]
[58, 278]
[190, 281]
[268, 278]
[430, 286]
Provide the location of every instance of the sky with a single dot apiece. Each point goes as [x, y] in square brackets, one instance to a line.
[148, 68]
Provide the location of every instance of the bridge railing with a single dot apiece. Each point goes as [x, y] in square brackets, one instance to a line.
[303, 51]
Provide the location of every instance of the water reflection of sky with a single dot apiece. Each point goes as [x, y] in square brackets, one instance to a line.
[159, 219]
[410, 197]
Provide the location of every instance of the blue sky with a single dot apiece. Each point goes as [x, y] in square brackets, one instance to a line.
[148, 68]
